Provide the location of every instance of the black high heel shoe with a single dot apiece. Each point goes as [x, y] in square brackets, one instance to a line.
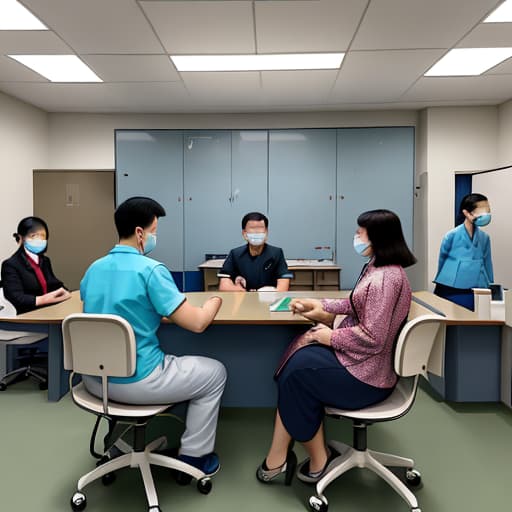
[265, 475]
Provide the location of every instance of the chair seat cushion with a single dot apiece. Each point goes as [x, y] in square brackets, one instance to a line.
[397, 404]
[91, 403]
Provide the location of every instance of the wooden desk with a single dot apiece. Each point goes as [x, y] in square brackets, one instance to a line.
[308, 274]
[249, 340]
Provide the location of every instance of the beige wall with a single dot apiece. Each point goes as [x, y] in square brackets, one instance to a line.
[505, 134]
[86, 141]
[458, 139]
[23, 147]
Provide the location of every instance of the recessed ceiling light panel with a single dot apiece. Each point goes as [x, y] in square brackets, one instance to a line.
[14, 16]
[58, 68]
[469, 61]
[252, 62]
[503, 14]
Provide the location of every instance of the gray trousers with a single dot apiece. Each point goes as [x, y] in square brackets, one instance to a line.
[198, 380]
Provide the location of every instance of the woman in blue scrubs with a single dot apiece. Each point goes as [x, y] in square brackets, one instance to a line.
[465, 254]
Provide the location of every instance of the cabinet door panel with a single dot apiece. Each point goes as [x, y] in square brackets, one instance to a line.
[249, 178]
[375, 170]
[302, 184]
[207, 182]
[150, 163]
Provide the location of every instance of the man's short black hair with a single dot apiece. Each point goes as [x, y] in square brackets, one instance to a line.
[254, 216]
[136, 212]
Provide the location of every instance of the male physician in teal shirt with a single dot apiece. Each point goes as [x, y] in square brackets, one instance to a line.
[128, 283]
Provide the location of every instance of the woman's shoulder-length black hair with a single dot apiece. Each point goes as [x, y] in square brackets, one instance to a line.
[387, 238]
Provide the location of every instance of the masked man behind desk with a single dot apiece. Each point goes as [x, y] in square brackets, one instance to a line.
[256, 264]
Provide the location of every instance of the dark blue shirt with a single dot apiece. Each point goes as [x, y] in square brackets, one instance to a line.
[262, 270]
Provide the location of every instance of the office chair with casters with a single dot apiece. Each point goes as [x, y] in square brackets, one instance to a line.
[411, 359]
[104, 346]
[20, 339]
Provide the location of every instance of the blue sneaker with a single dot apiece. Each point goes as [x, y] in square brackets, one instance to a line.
[209, 464]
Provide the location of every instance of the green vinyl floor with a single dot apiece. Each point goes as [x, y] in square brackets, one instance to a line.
[464, 452]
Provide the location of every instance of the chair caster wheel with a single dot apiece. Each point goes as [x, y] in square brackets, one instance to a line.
[108, 479]
[318, 504]
[43, 386]
[182, 478]
[3, 386]
[412, 477]
[415, 509]
[78, 502]
[155, 508]
[204, 486]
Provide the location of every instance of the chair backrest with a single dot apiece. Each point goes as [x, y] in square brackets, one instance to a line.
[7, 310]
[415, 344]
[101, 345]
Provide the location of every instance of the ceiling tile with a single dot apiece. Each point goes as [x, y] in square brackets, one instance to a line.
[13, 71]
[402, 24]
[98, 26]
[484, 87]
[488, 35]
[306, 26]
[140, 98]
[227, 88]
[203, 27]
[133, 68]
[505, 68]
[297, 87]
[31, 41]
[381, 76]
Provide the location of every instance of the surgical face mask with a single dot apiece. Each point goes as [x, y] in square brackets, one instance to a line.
[360, 246]
[482, 220]
[256, 238]
[150, 243]
[35, 245]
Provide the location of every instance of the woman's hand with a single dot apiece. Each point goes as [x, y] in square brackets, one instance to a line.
[54, 297]
[308, 308]
[320, 333]
[312, 310]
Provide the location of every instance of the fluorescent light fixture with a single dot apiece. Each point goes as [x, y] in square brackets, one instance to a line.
[468, 61]
[502, 14]
[13, 16]
[58, 68]
[252, 62]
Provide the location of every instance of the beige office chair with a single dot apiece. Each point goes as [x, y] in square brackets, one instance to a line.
[104, 346]
[412, 354]
[18, 339]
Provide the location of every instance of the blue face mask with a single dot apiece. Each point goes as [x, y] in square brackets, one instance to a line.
[360, 246]
[482, 220]
[35, 246]
[150, 243]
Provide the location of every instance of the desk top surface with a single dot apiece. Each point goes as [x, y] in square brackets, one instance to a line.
[253, 308]
[216, 264]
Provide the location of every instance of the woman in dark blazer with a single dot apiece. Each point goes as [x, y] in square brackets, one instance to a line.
[27, 276]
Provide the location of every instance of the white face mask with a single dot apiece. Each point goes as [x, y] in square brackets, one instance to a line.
[256, 238]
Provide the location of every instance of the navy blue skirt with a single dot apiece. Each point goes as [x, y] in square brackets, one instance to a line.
[462, 297]
[314, 378]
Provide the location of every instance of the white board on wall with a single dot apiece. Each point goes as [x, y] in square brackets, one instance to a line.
[497, 186]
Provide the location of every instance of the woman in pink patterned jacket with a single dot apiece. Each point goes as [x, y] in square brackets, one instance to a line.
[348, 366]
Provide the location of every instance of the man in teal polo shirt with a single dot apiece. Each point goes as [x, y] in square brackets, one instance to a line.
[127, 283]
